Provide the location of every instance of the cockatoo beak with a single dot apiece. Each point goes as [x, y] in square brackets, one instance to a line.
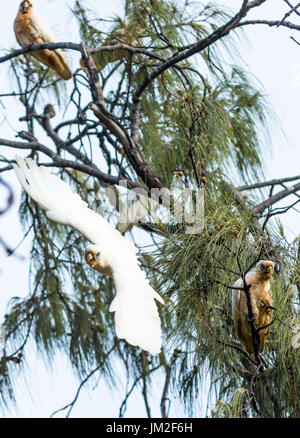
[25, 6]
[91, 257]
[267, 269]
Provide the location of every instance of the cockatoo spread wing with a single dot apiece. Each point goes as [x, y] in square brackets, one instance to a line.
[136, 315]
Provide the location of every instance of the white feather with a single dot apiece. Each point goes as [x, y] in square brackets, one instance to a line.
[42, 29]
[136, 315]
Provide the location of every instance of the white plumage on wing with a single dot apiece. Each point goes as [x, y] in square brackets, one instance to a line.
[136, 315]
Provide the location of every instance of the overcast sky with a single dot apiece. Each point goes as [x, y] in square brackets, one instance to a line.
[273, 58]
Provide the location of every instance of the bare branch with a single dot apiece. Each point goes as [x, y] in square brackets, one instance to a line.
[32, 47]
[60, 162]
[275, 198]
[270, 23]
[272, 182]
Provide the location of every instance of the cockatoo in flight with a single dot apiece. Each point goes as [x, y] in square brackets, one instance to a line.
[136, 315]
[31, 29]
[261, 303]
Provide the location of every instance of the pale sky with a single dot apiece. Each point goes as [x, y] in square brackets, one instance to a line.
[274, 59]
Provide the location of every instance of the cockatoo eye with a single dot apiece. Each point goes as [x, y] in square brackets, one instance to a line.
[89, 257]
[262, 267]
[97, 255]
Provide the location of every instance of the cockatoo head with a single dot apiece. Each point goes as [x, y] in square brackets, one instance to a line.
[265, 268]
[25, 6]
[96, 260]
[92, 255]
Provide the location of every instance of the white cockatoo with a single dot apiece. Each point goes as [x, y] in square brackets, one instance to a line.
[136, 315]
[30, 28]
[261, 303]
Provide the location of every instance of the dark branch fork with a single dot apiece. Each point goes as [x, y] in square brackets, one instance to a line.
[60, 162]
[129, 143]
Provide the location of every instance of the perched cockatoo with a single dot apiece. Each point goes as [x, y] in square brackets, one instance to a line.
[261, 303]
[136, 315]
[31, 29]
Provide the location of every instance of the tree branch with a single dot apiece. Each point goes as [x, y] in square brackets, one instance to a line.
[272, 182]
[275, 198]
[91, 170]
